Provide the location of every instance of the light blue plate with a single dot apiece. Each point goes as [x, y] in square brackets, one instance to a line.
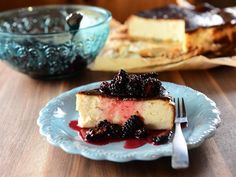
[54, 118]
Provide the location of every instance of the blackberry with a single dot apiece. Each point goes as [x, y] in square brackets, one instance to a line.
[141, 133]
[162, 139]
[149, 75]
[134, 86]
[121, 78]
[95, 134]
[104, 124]
[104, 87]
[115, 131]
[134, 122]
[104, 130]
[118, 83]
[159, 139]
[127, 133]
[116, 90]
[151, 87]
[99, 132]
[131, 125]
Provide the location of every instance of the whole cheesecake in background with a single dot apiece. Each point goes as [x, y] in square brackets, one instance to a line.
[171, 37]
[204, 28]
[126, 96]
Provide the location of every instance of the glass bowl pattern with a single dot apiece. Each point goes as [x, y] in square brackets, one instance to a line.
[37, 40]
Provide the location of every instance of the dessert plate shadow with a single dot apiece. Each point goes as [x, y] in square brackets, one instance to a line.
[54, 118]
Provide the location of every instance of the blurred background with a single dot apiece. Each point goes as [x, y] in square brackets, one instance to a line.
[117, 7]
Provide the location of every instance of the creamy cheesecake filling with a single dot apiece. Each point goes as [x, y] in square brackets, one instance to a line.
[118, 111]
[111, 109]
[157, 114]
[166, 31]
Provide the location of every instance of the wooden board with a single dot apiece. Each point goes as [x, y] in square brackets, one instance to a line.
[25, 153]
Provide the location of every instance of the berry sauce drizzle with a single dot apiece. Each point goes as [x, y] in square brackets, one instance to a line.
[129, 143]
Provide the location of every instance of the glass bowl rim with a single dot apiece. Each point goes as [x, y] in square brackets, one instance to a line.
[107, 17]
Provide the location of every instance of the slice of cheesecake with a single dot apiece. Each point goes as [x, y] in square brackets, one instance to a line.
[127, 95]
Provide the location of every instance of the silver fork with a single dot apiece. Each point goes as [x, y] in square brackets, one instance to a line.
[180, 157]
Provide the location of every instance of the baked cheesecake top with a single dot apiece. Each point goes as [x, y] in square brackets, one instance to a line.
[204, 15]
[124, 85]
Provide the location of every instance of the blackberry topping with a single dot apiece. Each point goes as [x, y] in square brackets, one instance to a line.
[151, 87]
[104, 130]
[127, 133]
[99, 132]
[159, 139]
[162, 139]
[104, 87]
[120, 79]
[141, 133]
[115, 131]
[133, 128]
[104, 124]
[149, 75]
[134, 122]
[133, 86]
[95, 134]
[131, 125]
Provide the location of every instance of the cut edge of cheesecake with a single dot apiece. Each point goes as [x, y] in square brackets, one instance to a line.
[163, 31]
[157, 114]
[160, 30]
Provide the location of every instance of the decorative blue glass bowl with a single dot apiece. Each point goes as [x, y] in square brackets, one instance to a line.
[37, 40]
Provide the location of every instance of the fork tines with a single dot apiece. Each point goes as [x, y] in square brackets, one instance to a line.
[180, 110]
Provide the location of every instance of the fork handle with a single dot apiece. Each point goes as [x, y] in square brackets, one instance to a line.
[180, 151]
